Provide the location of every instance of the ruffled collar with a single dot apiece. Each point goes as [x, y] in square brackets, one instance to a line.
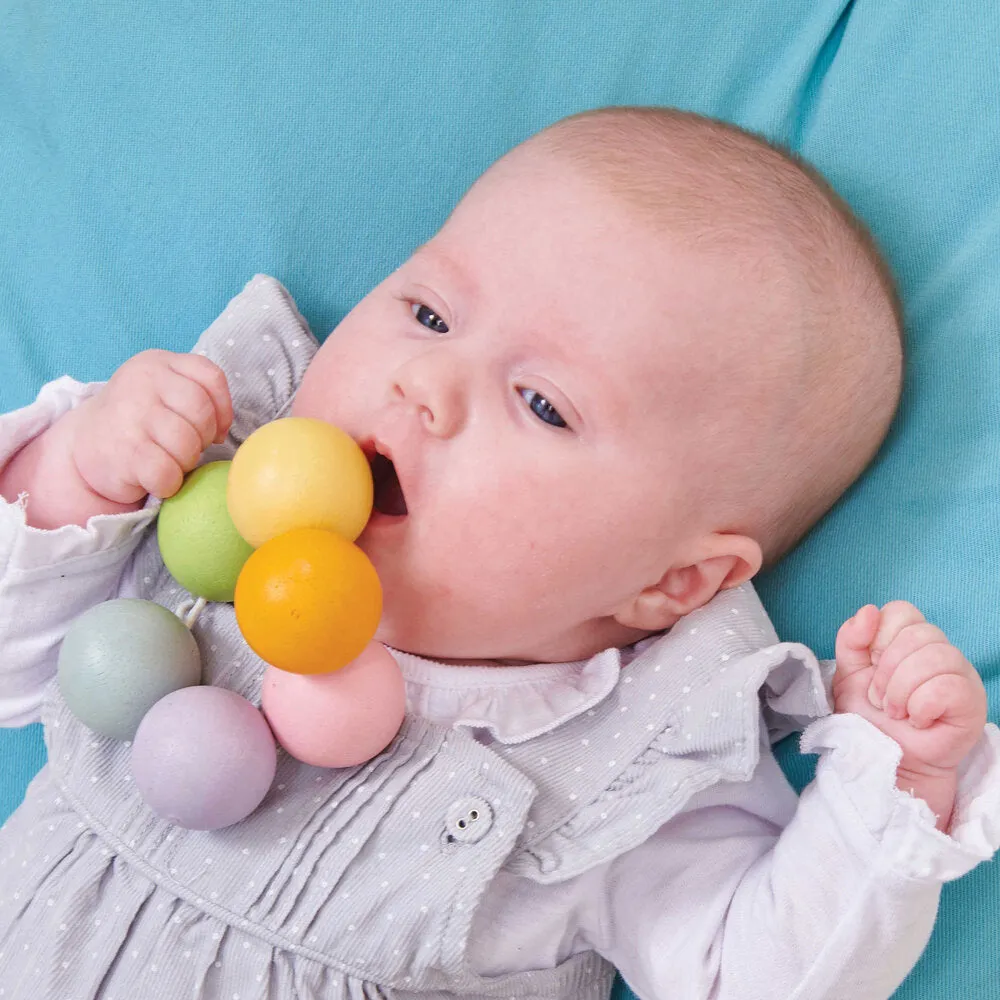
[515, 704]
[512, 704]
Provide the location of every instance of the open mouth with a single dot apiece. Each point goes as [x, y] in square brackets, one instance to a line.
[389, 497]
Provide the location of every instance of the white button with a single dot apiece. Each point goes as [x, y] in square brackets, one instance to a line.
[469, 820]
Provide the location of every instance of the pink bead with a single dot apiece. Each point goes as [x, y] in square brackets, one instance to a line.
[338, 719]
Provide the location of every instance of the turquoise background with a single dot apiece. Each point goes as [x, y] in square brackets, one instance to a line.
[153, 156]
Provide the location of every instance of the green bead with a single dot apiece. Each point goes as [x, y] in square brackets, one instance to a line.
[199, 544]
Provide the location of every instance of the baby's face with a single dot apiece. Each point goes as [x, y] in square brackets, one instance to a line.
[533, 373]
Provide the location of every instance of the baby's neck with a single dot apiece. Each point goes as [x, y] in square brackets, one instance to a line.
[576, 650]
[483, 663]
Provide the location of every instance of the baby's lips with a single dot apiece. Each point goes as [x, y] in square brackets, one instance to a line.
[388, 493]
[394, 463]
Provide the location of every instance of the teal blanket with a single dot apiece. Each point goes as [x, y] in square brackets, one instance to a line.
[153, 156]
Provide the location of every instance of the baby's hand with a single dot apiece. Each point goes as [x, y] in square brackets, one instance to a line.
[150, 424]
[900, 673]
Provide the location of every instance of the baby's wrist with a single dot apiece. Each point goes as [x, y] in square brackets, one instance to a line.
[45, 469]
[937, 786]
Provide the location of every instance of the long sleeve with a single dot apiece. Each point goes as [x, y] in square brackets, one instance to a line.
[48, 578]
[753, 894]
[840, 903]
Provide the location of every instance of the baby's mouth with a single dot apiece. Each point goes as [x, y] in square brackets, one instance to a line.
[389, 497]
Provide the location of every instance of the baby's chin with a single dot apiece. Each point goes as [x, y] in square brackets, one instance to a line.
[414, 641]
[453, 627]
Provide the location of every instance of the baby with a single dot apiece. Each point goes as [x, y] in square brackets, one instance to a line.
[644, 354]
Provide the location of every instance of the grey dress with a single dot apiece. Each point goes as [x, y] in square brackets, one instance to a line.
[363, 882]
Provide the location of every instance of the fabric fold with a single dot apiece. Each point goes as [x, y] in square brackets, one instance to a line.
[862, 761]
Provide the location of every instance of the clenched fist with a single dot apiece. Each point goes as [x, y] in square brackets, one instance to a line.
[148, 426]
[901, 673]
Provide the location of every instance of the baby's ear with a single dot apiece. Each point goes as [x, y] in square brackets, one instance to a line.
[726, 560]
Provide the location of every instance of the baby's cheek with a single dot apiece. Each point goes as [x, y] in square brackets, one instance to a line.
[308, 396]
[463, 556]
[327, 392]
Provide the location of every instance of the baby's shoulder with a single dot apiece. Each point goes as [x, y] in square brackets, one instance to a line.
[264, 345]
[691, 710]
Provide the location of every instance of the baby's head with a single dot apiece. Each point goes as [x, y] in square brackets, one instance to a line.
[645, 353]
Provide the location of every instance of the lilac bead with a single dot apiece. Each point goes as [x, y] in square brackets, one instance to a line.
[203, 758]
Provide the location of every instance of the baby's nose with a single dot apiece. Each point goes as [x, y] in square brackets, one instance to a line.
[434, 388]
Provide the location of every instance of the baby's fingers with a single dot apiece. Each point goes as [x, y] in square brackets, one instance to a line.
[913, 671]
[209, 378]
[190, 401]
[853, 641]
[951, 699]
[156, 471]
[903, 645]
[175, 435]
[896, 615]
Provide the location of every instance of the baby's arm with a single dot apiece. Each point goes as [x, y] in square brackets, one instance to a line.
[75, 460]
[748, 896]
[138, 435]
[841, 902]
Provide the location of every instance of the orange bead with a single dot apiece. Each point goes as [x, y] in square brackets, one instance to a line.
[308, 601]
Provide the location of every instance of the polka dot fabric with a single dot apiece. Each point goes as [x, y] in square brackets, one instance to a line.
[364, 881]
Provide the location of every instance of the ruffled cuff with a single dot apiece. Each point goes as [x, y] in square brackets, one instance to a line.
[858, 769]
[47, 578]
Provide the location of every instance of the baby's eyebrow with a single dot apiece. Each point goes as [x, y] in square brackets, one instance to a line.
[456, 275]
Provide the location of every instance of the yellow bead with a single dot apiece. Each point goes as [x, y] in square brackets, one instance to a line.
[308, 601]
[298, 472]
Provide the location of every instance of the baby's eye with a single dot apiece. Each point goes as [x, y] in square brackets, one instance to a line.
[429, 318]
[542, 408]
